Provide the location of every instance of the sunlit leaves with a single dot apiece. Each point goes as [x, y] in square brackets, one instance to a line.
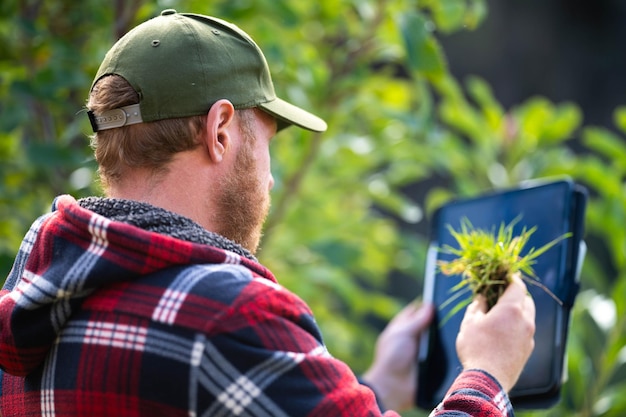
[451, 15]
[608, 145]
[620, 118]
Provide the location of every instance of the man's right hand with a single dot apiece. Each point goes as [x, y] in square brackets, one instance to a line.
[499, 341]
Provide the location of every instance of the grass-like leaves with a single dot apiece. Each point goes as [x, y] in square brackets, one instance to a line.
[487, 261]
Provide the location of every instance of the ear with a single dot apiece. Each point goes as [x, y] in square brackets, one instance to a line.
[217, 139]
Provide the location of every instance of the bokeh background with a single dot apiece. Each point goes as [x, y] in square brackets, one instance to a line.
[427, 100]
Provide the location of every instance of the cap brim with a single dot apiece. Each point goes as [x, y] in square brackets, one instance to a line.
[293, 115]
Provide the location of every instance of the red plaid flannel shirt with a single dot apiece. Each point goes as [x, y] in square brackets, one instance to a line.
[100, 318]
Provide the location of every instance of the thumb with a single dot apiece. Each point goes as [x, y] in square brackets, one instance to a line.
[516, 289]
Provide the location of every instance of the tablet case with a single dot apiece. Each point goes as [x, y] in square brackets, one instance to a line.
[555, 207]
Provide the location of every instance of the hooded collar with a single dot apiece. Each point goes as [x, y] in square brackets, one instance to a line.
[158, 220]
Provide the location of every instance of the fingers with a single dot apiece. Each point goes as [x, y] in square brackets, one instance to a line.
[416, 317]
[478, 305]
[515, 292]
[423, 317]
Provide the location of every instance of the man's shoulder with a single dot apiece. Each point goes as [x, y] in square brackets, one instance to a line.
[193, 295]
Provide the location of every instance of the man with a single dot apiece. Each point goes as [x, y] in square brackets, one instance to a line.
[150, 302]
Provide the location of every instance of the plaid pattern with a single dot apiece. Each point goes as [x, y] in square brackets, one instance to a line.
[100, 318]
[477, 394]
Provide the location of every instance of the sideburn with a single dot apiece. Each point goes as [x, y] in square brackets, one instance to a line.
[244, 203]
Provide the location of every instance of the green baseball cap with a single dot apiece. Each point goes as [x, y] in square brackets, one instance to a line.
[180, 64]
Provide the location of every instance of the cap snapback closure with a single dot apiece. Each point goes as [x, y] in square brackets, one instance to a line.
[123, 116]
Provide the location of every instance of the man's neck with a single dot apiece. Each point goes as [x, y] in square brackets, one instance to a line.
[184, 188]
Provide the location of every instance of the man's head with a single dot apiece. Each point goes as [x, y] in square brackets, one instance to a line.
[185, 87]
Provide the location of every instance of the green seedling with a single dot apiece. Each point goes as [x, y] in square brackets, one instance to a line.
[487, 261]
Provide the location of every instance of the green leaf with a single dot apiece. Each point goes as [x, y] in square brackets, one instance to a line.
[423, 52]
[607, 144]
[620, 118]
[564, 121]
[481, 92]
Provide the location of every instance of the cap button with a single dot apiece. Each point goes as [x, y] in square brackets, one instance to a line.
[168, 12]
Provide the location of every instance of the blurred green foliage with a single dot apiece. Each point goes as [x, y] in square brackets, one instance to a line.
[342, 223]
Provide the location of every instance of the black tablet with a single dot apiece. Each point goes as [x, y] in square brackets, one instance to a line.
[555, 208]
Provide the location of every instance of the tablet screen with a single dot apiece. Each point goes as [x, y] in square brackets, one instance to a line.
[546, 206]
